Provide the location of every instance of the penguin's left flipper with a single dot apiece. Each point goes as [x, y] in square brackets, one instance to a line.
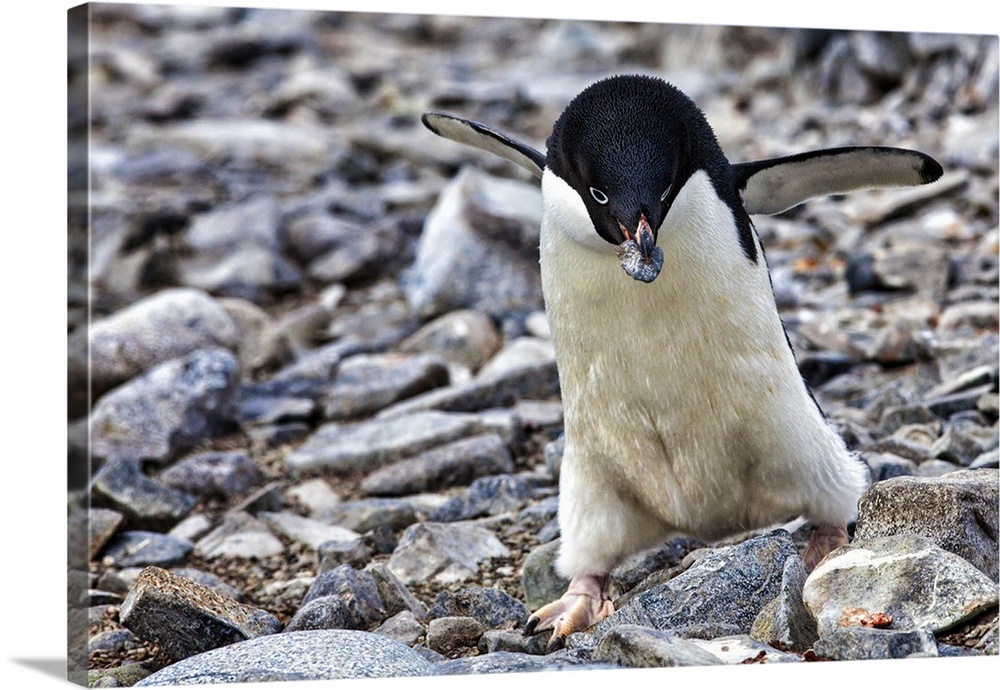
[778, 184]
[482, 137]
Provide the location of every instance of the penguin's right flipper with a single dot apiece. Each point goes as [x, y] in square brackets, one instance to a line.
[776, 185]
[482, 137]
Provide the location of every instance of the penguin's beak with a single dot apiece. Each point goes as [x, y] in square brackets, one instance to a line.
[639, 255]
[643, 237]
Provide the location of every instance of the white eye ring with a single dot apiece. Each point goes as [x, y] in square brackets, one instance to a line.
[599, 196]
[663, 197]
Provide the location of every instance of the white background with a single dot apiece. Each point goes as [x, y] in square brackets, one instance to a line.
[33, 335]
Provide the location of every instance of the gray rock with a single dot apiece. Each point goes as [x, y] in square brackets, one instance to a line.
[341, 448]
[265, 409]
[315, 234]
[513, 641]
[659, 559]
[450, 633]
[101, 526]
[225, 474]
[396, 598]
[443, 552]
[167, 410]
[356, 589]
[785, 620]
[957, 446]
[124, 676]
[479, 249]
[311, 533]
[465, 337]
[920, 585]
[403, 627]
[139, 548]
[482, 393]
[304, 655]
[170, 324]
[112, 642]
[453, 464]
[957, 511]
[145, 502]
[485, 496]
[315, 497]
[491, 607]
[337, 552]
[554, 454]
[322, 613]
[638, 647]
[539, 579]
[252, 272]
[871, 643]
[184, 618]
[367, 514]
[262, 344]
[364, 257]
[520, 353]
[211, 581]
[727, 586]
[368, 383]
[742, 649]
[240, 535]
[884, 466]
[515, 662]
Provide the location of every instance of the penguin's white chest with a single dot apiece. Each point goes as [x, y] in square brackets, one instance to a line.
[681, 394]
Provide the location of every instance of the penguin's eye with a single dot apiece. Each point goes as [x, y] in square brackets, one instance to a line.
[666, 192]
[599, 196]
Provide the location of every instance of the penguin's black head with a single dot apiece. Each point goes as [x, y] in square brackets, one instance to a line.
[626, 145]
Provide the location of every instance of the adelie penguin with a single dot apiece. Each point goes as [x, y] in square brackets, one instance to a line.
[684, 409]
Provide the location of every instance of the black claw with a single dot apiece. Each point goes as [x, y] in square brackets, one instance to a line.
[530, 626]
[555, 644]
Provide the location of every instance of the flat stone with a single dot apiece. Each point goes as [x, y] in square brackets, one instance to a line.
[139, 548]
[445, 553]
[742, 649]
[184, 618]
[145, 502]
[957, 511]
[102, 524]
[224, 474]
[453, 464]
[368, 383]
[785, 621]
[871, 643]
[305, 530]
[479, 249]
[907, 577]
[729, 585]
[172, 323]
[341, 448]
[357, 590]
[240, 535]
[465, 337]
[304, 655]
[168, 409]
[492, 608]
[403, 627]
[450, 633]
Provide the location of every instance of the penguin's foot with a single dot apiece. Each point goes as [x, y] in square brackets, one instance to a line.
[585, 602]
[824, 539]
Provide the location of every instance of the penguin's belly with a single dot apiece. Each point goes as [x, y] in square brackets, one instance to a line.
[681, 396]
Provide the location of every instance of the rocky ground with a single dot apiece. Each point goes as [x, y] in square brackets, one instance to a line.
[325, 428]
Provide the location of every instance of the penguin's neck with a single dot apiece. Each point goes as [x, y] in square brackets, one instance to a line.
[710, 305]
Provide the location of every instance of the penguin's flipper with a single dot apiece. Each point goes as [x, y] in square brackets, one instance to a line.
[482, 137]
[777, 184]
